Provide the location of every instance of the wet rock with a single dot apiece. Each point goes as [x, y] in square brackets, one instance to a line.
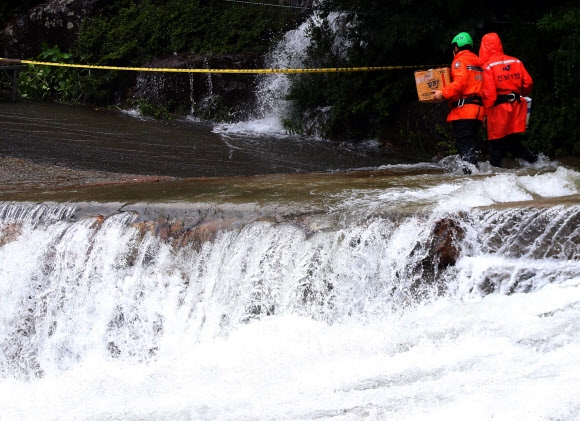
[56, 22]
[444, 248]
[210, 96]
[152, 227]
[441, 251]
[99, 219]
[209, 230]
[181, 233]
[10, 233]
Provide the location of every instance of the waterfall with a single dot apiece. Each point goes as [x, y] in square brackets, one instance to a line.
[410, 301]
[271, 90]
[289, 53]
[113, 286]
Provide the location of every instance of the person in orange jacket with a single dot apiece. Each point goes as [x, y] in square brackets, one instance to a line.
[464, 95]
[505, 83]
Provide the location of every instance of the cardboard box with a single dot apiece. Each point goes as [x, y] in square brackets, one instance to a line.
[429, 80]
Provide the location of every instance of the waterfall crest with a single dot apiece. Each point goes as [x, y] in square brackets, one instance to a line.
[128, 288]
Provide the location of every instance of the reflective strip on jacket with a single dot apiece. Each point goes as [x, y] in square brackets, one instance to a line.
[503, 75]
[466, 80]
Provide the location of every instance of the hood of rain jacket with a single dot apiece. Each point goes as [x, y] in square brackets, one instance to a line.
[490, 46]
[503, 75]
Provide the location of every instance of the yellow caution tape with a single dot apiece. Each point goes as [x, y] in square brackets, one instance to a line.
[248, 71]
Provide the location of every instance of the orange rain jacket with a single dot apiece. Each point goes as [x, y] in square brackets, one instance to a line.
[467, 81]
[503, 75]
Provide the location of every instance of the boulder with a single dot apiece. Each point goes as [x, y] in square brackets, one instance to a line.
[444, 249]
[10, 233]
[56, 22]
[439, 252]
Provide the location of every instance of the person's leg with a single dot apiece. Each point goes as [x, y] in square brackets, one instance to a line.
[518, 150]
[465, 133]
[496, 151]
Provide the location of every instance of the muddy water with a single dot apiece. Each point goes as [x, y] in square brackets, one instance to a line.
[108, 140]
[59, 153]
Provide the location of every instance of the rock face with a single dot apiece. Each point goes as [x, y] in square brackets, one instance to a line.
[56, 22]
[208, 96]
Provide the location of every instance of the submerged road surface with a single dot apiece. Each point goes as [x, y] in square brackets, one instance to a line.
[107, 140]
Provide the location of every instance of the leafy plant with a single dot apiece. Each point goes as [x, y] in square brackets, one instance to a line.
[131, 33]
[556, 122]
[44, 82]
[157, 111]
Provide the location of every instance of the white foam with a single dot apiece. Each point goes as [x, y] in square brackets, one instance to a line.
[133, 112]
[346, 341]
[290, 53]
[503, 357]
[461, 193]
[269, 125]
[562, 182]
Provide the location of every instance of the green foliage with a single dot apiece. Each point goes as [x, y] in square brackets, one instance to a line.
[556, 122]
[43, 82]
[157, 111]
[5, 83]
[132, 32]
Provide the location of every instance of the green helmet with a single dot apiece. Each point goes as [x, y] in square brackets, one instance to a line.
[462, 39]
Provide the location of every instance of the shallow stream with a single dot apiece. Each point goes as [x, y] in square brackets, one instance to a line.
[306, 282]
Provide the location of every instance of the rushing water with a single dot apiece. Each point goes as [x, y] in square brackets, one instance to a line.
[299, 297]
[271, 91]
[353, 287]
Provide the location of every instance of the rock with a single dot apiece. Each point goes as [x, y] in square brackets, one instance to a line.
[433, 256]
[208, 96]
[99, 219]
[180, 234]
[56, 22]
[444, 249]
[10, 233]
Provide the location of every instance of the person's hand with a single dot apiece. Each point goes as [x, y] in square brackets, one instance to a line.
[438, 95]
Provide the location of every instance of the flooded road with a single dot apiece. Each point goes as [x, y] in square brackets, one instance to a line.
[109, 140]
[60, 153]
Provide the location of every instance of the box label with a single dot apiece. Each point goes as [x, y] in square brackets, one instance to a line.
[430, 80]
